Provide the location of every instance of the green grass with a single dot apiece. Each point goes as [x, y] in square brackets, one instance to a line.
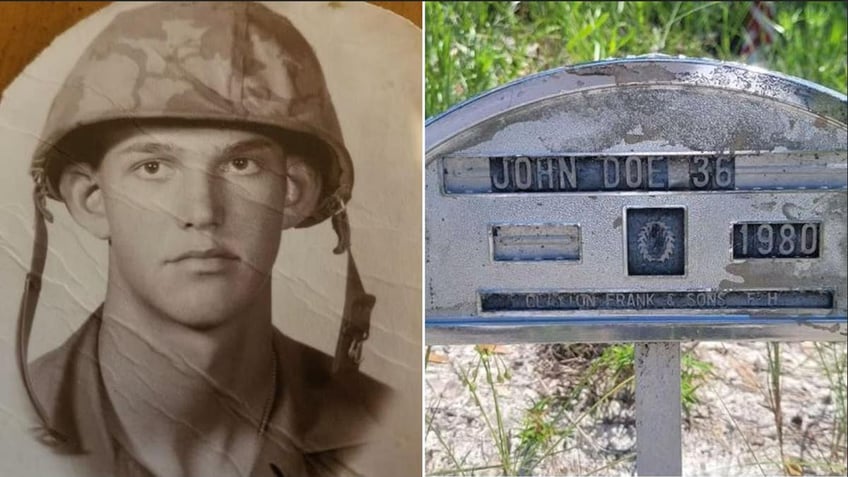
[549, 423]
[543, 430]
[616, 362]
[833, 358]
[471, 47]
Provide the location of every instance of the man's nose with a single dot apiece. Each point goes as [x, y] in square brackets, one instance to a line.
[200, 206]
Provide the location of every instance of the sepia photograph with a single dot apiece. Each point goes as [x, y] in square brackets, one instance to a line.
[210, 237]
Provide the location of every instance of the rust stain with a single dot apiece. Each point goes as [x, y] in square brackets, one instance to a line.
[616, 224]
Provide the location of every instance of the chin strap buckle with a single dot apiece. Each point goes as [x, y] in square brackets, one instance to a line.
[356, 322]
[356, 333]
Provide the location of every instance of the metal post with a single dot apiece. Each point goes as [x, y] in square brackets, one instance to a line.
[658, 409]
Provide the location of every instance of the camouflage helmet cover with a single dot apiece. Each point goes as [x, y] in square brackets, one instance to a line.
[234, 62]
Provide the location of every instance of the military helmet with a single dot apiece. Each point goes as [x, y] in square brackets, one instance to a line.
[237, 63]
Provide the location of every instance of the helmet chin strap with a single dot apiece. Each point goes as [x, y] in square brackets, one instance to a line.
[356, 317]
[26, 315]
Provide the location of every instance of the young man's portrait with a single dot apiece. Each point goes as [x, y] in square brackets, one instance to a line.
[211, 244]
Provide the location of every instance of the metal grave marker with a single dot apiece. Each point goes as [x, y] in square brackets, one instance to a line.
[644, 199]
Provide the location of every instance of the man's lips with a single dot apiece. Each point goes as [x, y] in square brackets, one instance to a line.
[211, 253]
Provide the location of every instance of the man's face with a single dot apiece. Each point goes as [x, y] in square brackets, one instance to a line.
[194, 216]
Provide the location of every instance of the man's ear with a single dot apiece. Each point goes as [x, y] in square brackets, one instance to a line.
[84, 198]
[303, 189]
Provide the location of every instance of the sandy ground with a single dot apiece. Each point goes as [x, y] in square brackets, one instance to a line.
[731, 431]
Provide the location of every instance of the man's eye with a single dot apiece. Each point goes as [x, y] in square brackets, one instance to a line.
[153, 169]
[240, 166]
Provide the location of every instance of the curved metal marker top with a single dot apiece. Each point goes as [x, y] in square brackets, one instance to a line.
[642, 199]
[648, 70]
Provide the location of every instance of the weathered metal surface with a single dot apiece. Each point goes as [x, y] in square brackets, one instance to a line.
[518, 242]
[678, 176]
[640, 301]
[635, 172]
[776, 240]
[658, 429]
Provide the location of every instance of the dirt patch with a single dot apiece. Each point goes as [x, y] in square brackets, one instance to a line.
[730, 431]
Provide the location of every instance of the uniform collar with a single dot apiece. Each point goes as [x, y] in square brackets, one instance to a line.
[319, 417]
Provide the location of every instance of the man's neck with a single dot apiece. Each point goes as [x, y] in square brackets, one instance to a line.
[199, 393]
